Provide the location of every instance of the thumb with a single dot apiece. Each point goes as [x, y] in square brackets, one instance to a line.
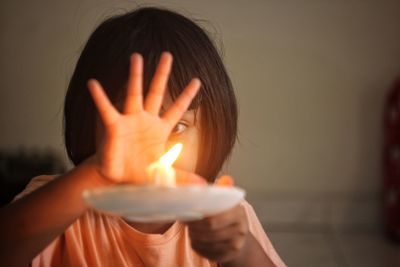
[184, 177]
[225, 180]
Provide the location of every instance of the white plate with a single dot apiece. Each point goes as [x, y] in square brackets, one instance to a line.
[160, 204]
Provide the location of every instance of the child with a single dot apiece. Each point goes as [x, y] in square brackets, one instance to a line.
[112, 133]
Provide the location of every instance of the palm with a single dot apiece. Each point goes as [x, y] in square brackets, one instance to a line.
[131, 143]
[136, 137]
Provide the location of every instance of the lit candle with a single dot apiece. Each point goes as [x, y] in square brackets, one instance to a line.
[161, 172]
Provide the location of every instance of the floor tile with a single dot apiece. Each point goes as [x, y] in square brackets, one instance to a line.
[369, 250]
[305, 249]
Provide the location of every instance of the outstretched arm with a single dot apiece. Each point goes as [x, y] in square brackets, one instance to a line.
[29, 224]
[132, 140]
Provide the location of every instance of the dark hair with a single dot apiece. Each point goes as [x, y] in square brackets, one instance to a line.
[150, 31]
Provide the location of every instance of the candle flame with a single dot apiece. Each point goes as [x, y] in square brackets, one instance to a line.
[171, 155]
[161, 172]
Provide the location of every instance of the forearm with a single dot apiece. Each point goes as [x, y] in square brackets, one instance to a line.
[28, 225]
[251, 255]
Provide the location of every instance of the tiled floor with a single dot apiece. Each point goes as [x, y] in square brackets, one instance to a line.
[323, 248]
[332, 230]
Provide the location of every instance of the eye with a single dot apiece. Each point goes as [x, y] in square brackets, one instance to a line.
[180, 127]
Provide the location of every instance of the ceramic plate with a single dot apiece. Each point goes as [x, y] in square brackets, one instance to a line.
[160, 204]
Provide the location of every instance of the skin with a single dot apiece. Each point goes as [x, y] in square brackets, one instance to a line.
[129, 142]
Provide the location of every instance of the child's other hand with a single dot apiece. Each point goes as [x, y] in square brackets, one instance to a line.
[137, 136]
[220, 237]
[189, 178]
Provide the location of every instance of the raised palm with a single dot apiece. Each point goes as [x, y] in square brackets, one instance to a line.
[137, 136]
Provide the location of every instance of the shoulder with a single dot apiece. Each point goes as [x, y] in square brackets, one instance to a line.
[250, 213]
[41, 180]
[34, 184]
[257, 230]
[255, 225]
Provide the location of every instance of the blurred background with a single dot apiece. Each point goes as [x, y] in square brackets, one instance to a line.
[311, 79]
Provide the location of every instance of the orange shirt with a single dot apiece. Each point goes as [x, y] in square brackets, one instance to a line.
[102, 240]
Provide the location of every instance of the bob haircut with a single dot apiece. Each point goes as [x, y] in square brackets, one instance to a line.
[150, 31]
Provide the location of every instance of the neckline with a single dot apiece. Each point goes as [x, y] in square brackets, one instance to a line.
[150, 239]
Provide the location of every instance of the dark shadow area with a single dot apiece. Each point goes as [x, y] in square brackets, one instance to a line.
[17, 168]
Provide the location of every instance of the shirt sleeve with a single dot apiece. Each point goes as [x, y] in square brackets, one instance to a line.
[258, 232]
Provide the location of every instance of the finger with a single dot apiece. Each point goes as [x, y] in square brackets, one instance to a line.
[106, 109]
[134, 97]
[216, 247]
[220, 220]
[181, 104]
[159, 84]
[218, 251]
[225, 180]
[235, 230]
[183, 177]
[211, 248]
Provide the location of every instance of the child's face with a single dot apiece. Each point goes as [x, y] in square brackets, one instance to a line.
[187, 132]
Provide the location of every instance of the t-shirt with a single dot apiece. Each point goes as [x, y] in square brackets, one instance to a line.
[96, 239]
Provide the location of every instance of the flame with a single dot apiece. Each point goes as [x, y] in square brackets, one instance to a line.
[161, 172]
[171, 155]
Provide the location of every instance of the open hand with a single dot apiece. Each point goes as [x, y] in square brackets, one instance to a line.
[137, 136]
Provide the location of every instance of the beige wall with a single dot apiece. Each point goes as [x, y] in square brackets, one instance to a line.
[310, 78]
